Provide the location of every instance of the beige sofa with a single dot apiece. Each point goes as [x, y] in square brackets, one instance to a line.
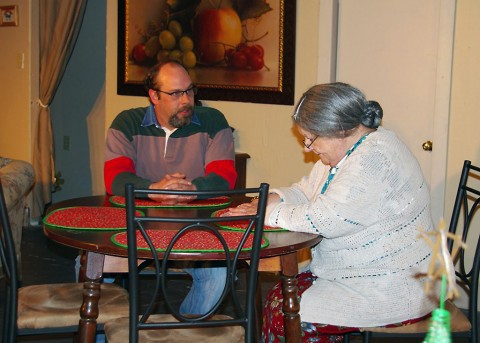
[17, 179]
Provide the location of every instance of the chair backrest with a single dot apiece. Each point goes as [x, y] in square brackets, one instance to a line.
[194, 222]
[466, 202]
[9, 263]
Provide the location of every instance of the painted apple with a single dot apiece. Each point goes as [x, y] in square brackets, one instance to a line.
[138, 53]
[215, 31]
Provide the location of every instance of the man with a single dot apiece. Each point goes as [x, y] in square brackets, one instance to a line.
[173, 144]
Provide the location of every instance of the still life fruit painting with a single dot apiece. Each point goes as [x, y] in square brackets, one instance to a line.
[220, 42]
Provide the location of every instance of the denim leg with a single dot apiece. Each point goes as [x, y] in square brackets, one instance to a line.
[207, 287]
[77, 272]
[100, 338]
[77, 267]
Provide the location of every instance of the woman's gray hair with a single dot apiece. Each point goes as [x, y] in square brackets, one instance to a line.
[336, 110]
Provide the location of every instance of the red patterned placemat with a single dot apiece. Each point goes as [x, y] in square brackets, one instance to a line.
[192, 241]
[240, 225]
[118, 200]
[88, 218]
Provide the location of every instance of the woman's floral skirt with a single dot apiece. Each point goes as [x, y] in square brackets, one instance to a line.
[273, 329]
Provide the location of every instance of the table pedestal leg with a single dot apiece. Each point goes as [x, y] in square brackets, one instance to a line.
[291, 305]
[91, 295]
[89, 311]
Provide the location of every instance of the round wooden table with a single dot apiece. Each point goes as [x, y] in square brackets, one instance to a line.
[101, 254]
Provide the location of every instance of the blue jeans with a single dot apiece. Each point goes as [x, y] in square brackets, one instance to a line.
[207, 287]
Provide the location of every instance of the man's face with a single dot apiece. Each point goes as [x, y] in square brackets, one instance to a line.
[175, 109]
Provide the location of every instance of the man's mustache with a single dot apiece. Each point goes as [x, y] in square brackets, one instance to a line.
[185, 108]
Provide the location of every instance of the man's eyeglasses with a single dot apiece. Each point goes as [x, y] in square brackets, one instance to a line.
[311, 142]
[178, 94]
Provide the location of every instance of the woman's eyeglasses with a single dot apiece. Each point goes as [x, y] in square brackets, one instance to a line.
[311, 142]
[178, 94]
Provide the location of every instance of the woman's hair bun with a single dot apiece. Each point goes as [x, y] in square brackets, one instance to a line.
[372, 114]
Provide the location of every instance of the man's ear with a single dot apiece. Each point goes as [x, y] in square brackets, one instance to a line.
[153, 95]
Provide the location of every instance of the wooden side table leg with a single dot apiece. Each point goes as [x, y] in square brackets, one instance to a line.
[291, 305]
[89, 310]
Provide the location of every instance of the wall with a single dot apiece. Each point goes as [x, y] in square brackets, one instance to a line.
[15, 85]
[264, 131]
[463, 138]
[78, 111]
[261, 130]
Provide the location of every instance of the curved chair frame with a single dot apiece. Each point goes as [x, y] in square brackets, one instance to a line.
[17, 323]
[245, 315]
[466, 204]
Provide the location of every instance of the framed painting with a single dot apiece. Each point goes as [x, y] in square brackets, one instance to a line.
[234, 50]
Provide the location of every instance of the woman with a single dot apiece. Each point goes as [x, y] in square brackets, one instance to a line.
[368, 198]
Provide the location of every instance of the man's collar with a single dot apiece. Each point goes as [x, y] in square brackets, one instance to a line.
[151, 118]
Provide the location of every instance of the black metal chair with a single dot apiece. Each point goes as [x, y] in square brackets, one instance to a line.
[465, 207]
[47, 308]
[144, 323]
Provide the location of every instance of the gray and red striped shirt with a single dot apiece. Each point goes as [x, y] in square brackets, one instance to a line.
[138, 152]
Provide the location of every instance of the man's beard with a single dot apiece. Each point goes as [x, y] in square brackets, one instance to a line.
[177, 122]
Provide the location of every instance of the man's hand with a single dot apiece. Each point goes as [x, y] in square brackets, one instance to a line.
[176, 181]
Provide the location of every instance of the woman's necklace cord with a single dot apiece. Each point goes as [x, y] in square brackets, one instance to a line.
[334, 170]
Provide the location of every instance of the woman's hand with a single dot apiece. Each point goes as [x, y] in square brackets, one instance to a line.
[250, 208]
[246, 209]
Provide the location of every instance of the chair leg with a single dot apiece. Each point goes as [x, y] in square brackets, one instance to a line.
[258, 309]
[366, 336]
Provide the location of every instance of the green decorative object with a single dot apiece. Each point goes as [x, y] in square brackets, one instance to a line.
[441, 266]
[439, 330]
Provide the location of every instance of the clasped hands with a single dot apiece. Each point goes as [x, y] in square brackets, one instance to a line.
[175, 181]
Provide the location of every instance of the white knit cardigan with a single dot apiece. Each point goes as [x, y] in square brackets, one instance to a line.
[368, 263]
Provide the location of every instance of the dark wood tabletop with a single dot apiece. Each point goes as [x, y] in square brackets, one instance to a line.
[280, 242]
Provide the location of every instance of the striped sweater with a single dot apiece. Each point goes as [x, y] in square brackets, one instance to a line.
[138, 151]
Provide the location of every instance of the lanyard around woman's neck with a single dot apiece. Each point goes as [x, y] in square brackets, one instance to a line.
[334, 170]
